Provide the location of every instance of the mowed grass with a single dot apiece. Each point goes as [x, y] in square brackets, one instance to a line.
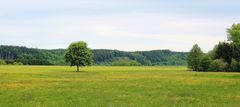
[61, 86]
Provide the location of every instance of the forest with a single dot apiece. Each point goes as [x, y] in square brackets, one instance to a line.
[31, 56]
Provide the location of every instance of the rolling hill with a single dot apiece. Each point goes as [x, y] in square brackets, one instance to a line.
[33, 56]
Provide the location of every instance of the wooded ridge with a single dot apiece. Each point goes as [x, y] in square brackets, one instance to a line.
[33, 56]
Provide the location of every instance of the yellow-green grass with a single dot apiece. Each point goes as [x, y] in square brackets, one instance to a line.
[61, 86]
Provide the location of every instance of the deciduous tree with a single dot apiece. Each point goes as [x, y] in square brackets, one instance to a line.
[78, 54]
[194, 58]
[234, 33]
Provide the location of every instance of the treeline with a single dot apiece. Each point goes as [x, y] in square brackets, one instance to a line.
[224, 57]
[147, 58]
[31, 56]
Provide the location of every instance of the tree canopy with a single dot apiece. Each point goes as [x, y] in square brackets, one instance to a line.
[32, 56]
[224, 57]
[78, 54]
[234, 33]
[125, 62]
[194, 58]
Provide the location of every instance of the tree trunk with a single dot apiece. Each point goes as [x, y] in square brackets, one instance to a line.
[77, 68]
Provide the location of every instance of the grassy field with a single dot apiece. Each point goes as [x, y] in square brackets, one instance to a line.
[53, 86]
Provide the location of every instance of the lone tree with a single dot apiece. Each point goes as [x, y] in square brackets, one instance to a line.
[78, 54]
[194, 58]
[234, 33]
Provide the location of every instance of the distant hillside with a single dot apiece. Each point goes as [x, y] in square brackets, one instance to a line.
[155, 57]
[31, 56]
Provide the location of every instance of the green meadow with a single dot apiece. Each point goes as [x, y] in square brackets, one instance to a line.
[99, 86]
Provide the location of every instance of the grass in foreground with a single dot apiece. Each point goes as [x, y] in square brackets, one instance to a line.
[51, 86]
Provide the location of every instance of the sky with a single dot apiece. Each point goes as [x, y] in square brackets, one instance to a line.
[129, 25]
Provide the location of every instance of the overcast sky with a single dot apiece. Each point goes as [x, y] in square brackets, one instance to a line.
[128, 25]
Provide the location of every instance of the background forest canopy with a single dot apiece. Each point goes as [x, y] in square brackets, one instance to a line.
[29, 56]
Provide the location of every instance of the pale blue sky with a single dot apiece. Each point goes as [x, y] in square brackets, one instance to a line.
[117, 24]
